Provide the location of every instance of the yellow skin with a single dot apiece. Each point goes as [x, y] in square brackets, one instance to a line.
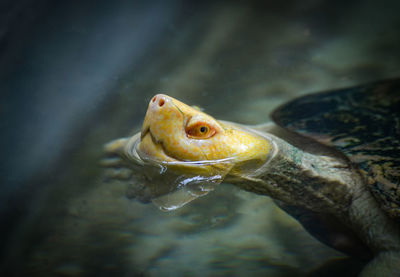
[173, 131]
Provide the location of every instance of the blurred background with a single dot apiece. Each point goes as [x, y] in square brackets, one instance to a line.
[77, 74]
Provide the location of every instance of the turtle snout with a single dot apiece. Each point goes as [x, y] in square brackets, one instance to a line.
[159, 101]
[161, 108]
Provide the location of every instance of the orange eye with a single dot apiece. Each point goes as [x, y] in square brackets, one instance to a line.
[200, 131]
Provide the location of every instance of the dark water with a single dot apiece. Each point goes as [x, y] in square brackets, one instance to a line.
[74, 75]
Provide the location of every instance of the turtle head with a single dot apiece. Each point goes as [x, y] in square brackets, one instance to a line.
[175, 132]
[181, 153]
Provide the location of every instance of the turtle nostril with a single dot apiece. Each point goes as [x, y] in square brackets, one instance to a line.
[161, 102]
[154, 99]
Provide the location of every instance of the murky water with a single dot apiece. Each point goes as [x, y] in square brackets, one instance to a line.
[88, 82]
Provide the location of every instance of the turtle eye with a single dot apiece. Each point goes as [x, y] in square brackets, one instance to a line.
[200, 130]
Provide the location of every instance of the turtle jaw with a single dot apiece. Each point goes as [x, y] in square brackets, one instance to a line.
[152, 149]
[145, 131]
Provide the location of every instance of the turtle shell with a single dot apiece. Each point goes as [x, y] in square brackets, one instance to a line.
[362, 122]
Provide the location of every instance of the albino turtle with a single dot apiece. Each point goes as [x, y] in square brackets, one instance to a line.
[331, 160]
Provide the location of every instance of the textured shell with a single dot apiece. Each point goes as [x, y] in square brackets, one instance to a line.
[363, 122]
